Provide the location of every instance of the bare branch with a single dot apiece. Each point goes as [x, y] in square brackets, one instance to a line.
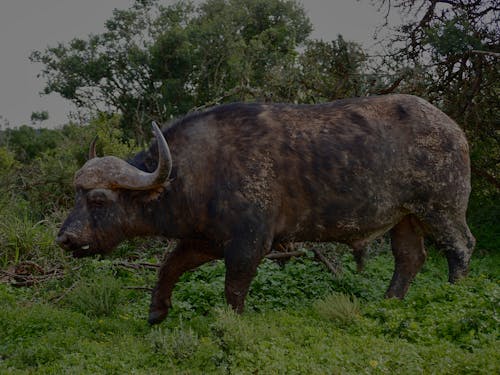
[488, 177]
[280, 255]
[336, 271]
[488, 53]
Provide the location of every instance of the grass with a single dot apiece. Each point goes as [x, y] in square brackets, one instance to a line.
[338, 307]
[299, 320]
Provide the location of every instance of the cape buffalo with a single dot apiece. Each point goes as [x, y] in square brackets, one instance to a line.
[236, 178]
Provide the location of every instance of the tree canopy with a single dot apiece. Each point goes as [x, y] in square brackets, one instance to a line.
[156, 61]
[448, 51]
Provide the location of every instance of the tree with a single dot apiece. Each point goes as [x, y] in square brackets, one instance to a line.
[155, 61]
[333, 70]
[448, 51]
[39, 116]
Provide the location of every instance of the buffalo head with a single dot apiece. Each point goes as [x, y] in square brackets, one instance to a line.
[107, 191]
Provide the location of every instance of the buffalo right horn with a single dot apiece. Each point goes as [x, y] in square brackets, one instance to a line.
[139, 180]
[164, 158]
[110, 172]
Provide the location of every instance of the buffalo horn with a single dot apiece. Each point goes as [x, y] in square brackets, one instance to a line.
[92, 152]
[164, 158]
[139, 180]
[110, 172]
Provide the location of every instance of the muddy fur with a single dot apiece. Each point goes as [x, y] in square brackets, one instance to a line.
[246, 176]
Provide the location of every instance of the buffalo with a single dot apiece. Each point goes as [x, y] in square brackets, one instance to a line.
[235, 179]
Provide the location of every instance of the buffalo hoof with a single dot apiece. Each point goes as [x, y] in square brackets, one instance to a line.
[456, 274]
[157, 316]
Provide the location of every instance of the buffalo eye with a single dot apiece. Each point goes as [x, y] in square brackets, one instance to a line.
[100, 198]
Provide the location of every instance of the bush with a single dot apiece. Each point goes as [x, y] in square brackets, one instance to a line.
[22, 237]
[483, 218]
[7, 161]
[179, 343]
[27, 143]
[338, 307]
[96, 297]
[36, 182]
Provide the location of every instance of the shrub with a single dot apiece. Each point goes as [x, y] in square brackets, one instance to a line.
[338, 307]
[7, 161]
[96, 297]
[112, 141]
[179, 343]
[23, 238]
[483, 218]
[27, 142]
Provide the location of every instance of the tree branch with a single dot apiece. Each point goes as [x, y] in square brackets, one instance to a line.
[488, 53]
[336, 271]
[391, 88]
[279, 255]
[488, 177]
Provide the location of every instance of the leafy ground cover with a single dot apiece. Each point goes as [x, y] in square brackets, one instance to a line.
[299, 319]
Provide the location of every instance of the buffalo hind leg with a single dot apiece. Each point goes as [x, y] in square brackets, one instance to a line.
[409, 253]
[454, 237]
[359, 253]
[187, 255]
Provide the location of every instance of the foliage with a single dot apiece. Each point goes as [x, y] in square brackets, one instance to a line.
[338, 307]
[96, 297]
[439, 327]
[156, 61]
[323, 71]
[39, 116]
[447, 51]
[22, 238]
[27, 143]
[43, 172]
[7, 160]
[483, 219]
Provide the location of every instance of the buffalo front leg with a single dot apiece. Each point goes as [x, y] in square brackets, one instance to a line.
[187, 255]
[409, 253]
[242, 257]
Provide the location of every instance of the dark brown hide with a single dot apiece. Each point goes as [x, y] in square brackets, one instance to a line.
[246, 176]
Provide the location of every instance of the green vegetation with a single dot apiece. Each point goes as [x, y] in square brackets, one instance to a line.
[62, 315]
[88, 322]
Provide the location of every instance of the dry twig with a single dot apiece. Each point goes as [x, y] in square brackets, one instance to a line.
[281, 255]
[337, 271]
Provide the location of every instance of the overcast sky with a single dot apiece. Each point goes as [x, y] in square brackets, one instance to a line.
[27, 25]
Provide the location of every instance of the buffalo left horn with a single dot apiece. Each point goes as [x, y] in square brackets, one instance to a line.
[92, 152]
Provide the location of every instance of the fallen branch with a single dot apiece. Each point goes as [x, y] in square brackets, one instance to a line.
[280, 255]
[488, 53]
[336, 271]
[137, 266]
[145, 288]
[22, 274]
[65, 293]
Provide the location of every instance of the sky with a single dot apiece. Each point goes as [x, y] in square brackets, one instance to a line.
[27, 25]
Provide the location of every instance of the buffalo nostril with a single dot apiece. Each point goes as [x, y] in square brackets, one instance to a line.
[63, 240]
